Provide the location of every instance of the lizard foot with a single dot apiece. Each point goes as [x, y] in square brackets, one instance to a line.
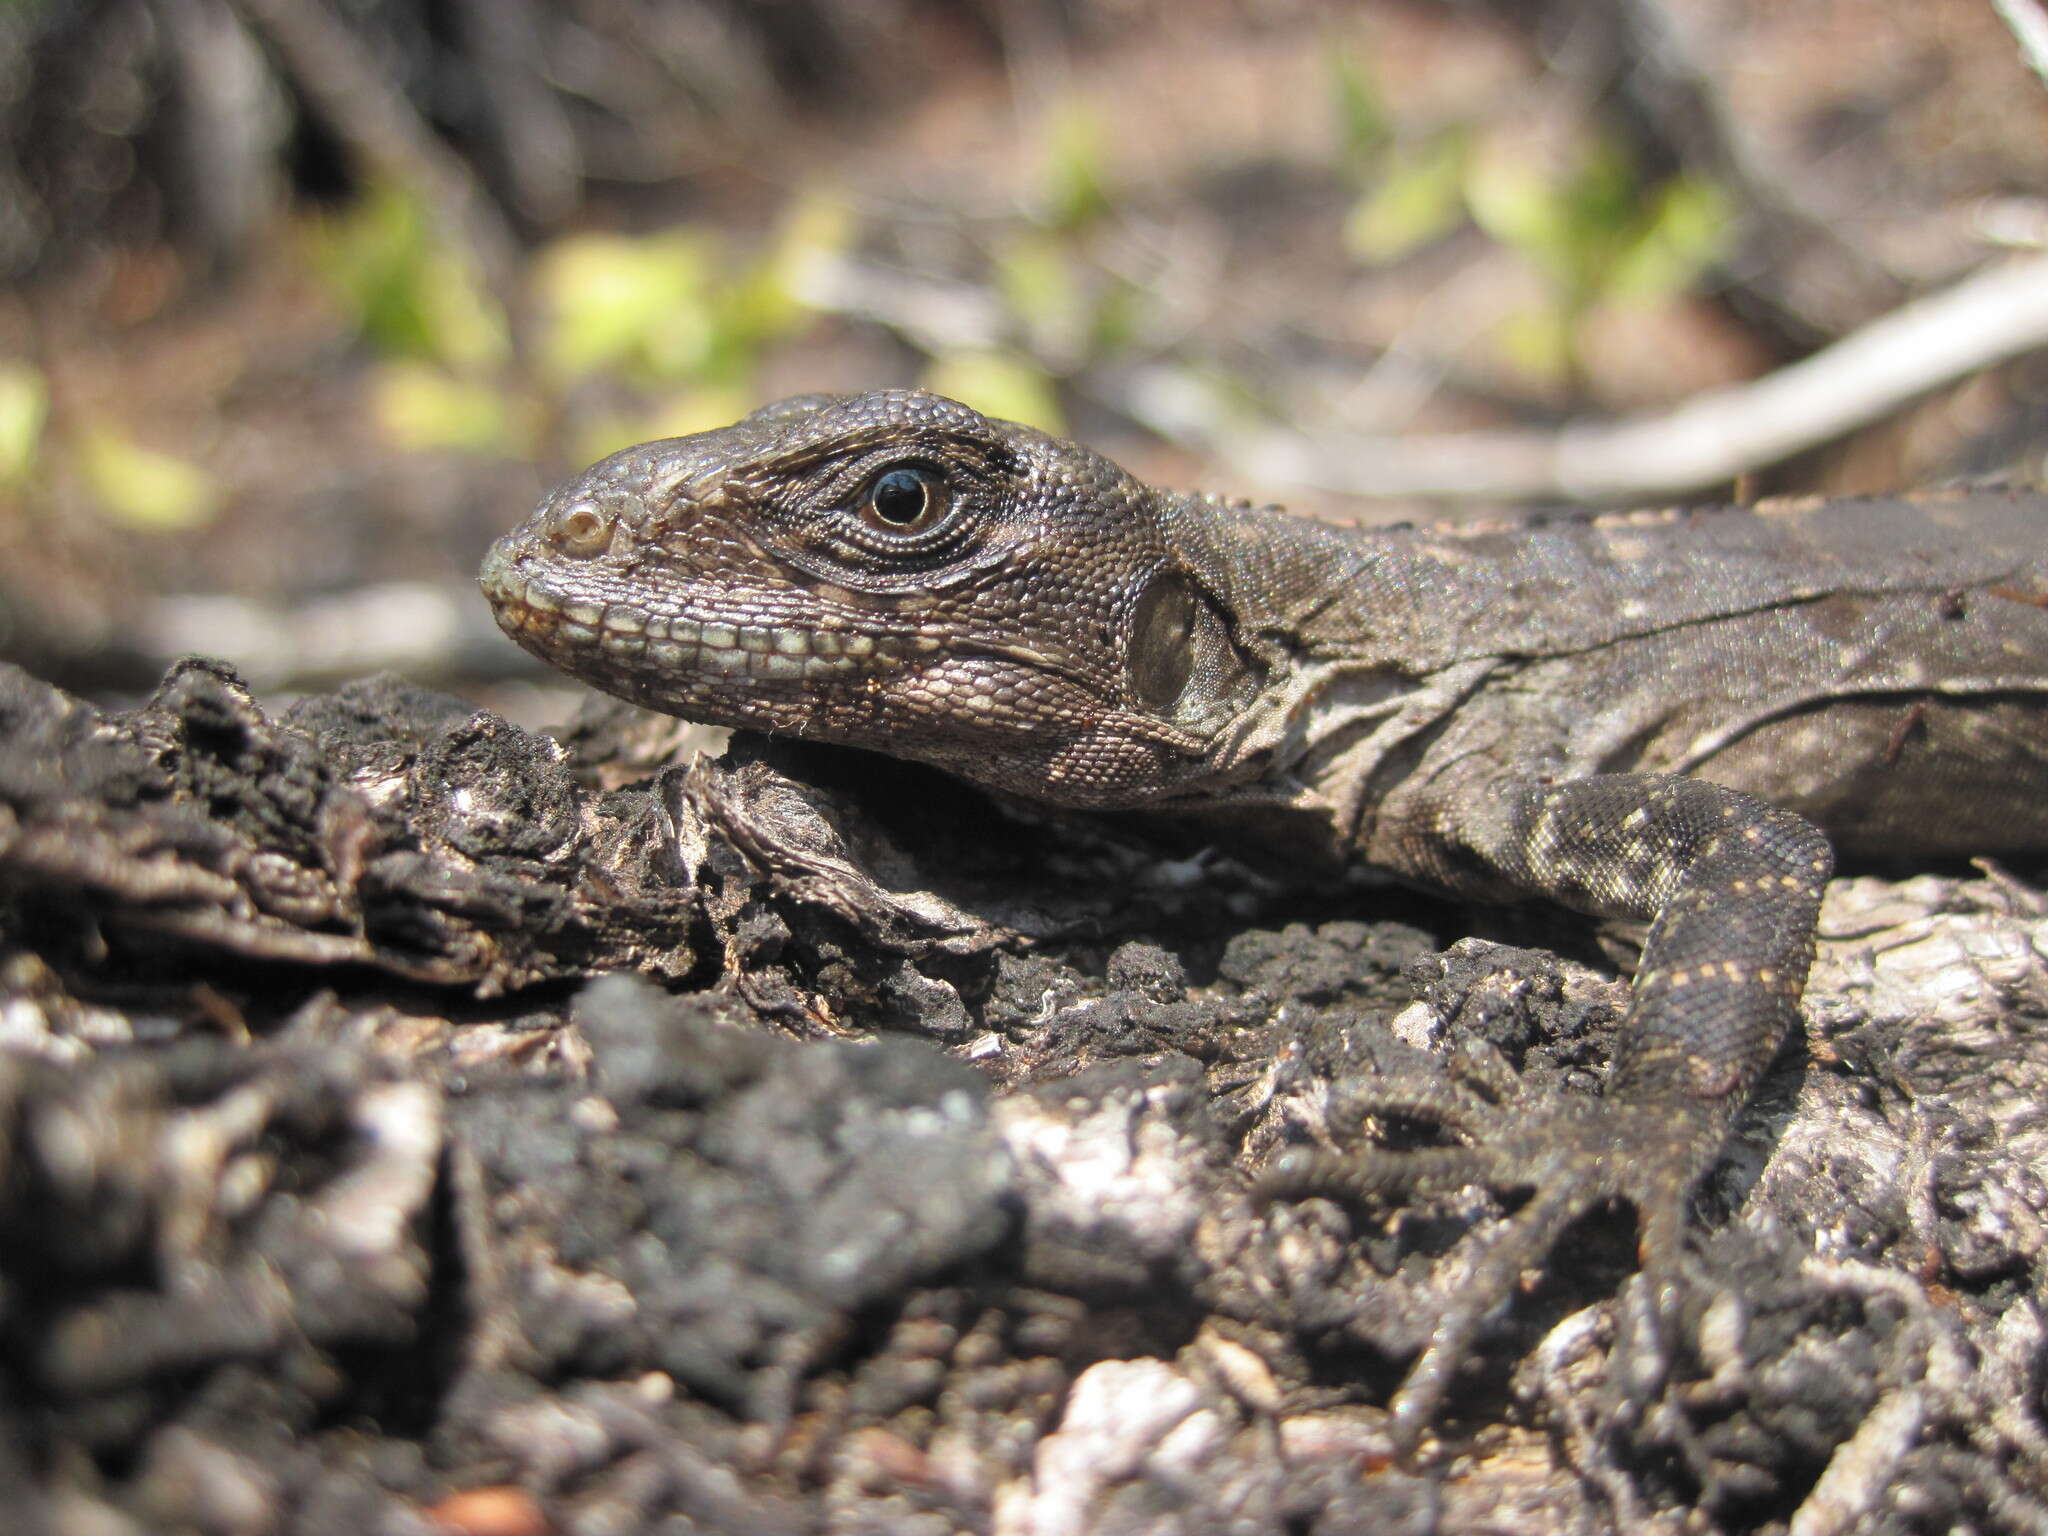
[1564, 1156]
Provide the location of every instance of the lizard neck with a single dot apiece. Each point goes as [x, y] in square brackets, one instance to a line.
[1344, 626]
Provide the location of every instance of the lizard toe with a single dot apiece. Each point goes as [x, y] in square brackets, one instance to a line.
[1558, 1157]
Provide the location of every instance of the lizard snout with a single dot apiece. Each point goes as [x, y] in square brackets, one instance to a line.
[500, 572]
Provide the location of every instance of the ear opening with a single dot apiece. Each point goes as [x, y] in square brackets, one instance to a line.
[1162, 654]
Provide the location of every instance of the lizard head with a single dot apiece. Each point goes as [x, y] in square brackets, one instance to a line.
[890, 570]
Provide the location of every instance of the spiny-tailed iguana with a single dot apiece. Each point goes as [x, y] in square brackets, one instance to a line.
[1663, 716]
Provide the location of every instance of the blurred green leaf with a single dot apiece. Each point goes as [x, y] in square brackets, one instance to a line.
[1119, 319]
[1044, 285]
[411, 295]
[465, 328]
[618, 301]
[998, 384]
[1541, 343]
[820, 222]
[1037, 282]
[665, 309]
[141, 488]
[1519, 207]
[1363, 129]
[1420, 197]
[1599, 234]
[419, 406]
[757, 307]
[818, 227]
[1598, 230]
[697, 410]
[599, 437]
[690, 410]
[24, 408]
[1691, 225]
[1075, 179]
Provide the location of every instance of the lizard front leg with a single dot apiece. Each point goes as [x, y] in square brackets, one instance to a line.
[1731, 886]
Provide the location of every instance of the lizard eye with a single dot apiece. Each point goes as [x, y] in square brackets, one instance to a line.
[906, 498]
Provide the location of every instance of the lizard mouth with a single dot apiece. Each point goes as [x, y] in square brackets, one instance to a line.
[557, 629]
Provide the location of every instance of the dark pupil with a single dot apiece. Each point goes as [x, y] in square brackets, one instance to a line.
[900, 497]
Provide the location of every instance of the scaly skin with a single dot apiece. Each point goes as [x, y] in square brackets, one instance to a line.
[1651, 716]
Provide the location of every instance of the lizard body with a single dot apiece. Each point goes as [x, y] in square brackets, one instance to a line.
[1652, 715]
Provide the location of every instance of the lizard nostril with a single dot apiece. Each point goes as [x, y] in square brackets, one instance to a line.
[581, 529]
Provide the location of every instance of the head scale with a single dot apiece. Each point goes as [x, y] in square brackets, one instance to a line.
[889, 570]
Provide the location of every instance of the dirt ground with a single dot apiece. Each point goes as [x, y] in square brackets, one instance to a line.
[413, 1119]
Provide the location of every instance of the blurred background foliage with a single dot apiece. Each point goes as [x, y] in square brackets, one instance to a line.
[307, 294]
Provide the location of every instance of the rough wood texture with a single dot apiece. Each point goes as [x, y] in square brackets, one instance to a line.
[293, 1231]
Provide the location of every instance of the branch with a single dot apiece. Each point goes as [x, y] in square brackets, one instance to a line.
[2030, 28]
[1995, 314]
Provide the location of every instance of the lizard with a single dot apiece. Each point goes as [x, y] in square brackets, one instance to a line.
[1673, 717]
